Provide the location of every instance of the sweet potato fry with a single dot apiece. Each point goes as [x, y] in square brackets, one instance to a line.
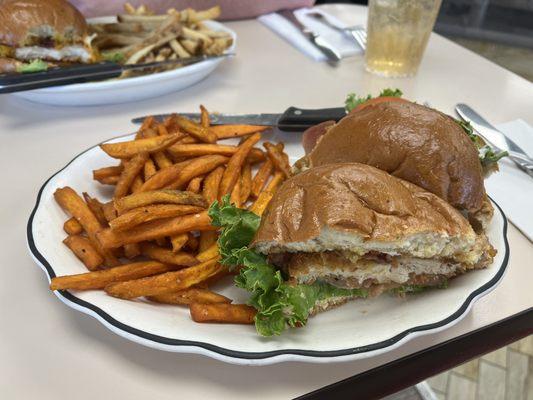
[85, 251]
[72, 226]
[206, 240]
[261, 177]
[149, 169]
[96, 207]
[221, 274]
[189, 296]
[147, 123]
[100, 279]
[163, 196]
[109, 180]
[187, 140]
[109, 211]
[167, 256]
[195, 184]
[204, 117]
[155, 229]
[231, 131]
[106, 172]
[276, 180]
[211, 184]
[231, 174]
[144, 214]
[261, 202]
[164, 283]
[235, 197]
[276, 156]
[160, 157]
[208, 254]
[132, 250]
[198, 166]
[195, 130]
[133, 147]
[164, 176]
[131, 170]
[74, 205]
[136, 184]
[203, 149]
[246, 183]
[222, 312]
[178, 241]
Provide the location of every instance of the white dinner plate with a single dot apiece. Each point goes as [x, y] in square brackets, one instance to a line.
[356, 330]
[116, 91]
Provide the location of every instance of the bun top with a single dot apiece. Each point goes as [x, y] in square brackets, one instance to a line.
[326, 207]
[24, 22]
[412, 142]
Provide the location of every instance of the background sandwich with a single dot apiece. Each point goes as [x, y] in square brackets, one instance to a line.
[49, 30]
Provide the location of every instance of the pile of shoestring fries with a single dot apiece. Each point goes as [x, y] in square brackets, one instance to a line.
[141, 37]
[154, 238]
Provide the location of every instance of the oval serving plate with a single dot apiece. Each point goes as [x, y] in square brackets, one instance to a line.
[115, 91]
[356, 330]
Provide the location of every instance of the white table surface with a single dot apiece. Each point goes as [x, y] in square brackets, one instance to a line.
[49, 351]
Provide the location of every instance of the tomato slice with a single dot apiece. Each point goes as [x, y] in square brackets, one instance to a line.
[377, 100]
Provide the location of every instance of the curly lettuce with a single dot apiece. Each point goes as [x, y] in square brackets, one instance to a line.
[279, 304]
[487, 156]
[352, 100]
[32, 67]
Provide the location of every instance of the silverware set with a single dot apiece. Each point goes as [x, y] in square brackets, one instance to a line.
[357, 33]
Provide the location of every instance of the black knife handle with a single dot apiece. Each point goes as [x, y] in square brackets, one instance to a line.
[10, 83]
[298, 119]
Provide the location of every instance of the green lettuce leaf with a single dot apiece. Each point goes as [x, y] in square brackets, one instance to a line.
[352, 100]
[279, 304]
[413, 289]
[486, 155]
[114, 56]
[33, 66]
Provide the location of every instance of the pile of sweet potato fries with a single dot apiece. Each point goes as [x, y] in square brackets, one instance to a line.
[154, 239]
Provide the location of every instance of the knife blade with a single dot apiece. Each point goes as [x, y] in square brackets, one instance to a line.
[293, 119]
[323, 45]
[60, 76]
[488, 131]
[495, 138]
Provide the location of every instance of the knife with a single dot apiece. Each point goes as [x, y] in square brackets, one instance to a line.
[495, 138]
[329, 51]
[294, 119]
[59, 76]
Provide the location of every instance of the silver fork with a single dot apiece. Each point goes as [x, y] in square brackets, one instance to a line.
[358, 33]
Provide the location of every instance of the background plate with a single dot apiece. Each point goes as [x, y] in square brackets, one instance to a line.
[359, 329]
[116, 91]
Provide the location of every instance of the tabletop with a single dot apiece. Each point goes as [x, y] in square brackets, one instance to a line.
[49, 351]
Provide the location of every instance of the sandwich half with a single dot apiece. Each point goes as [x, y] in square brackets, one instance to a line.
[348, 230]
[412, 142]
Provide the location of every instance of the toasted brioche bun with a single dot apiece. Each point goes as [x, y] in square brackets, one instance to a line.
[412, 142]
[358, 208]
[22, 21]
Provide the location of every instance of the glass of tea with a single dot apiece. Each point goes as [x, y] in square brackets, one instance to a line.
[397, 35]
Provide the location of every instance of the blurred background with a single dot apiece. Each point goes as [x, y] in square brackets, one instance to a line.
[500, 30]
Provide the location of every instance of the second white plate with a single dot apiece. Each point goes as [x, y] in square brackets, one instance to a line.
[116, 91]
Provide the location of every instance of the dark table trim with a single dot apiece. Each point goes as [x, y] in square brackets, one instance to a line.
[407, 371]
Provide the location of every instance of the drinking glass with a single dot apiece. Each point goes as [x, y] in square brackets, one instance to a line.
[398, 31]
